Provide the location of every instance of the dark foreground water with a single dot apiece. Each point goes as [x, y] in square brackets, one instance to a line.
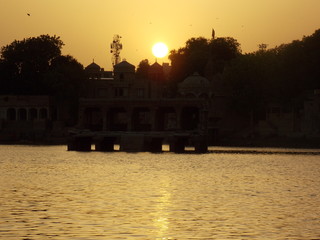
[50, 193]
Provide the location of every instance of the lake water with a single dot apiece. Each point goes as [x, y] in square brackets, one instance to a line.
[47, 192]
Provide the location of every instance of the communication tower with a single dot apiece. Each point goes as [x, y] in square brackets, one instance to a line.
[263, 47]
[116, 47]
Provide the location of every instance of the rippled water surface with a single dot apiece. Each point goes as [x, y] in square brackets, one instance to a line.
[50, 193]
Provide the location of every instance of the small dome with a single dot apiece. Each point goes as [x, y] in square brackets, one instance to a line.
[93, 66]
[124, 67]
[195, 85]
[156, 67]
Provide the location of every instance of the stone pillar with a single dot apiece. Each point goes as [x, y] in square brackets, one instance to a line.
[80, 143]
[133, 143]
[129, 111]
[48, 114]
[178, 143]
[203, 120]
[105, 144]
[81, 117]
[178, 115]
[71, 145]
[104, 118]
[154, 144]
[200, 144]
[108, 116]
[153, 118]
[27, 114]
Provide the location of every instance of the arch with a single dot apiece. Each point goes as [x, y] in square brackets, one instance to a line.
[190, 95]
[204, 95]
[43, 113]
[166, 119]
[11, 114]
[117, 119]
[93, 119]
[33, 114]
[54, 114]
[189, 118]
[22, 114]
[141, 119]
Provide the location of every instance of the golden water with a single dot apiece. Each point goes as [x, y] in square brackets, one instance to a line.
[50, 193]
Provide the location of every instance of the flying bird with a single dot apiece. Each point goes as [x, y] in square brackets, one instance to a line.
[29, 14]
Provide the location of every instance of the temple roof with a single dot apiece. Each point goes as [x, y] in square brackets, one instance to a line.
[93, 66]
[124, 66]
[194, 84]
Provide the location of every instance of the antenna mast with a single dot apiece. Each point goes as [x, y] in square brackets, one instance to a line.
[116, 47]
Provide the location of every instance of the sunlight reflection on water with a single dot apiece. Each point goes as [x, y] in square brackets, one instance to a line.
[50, 193]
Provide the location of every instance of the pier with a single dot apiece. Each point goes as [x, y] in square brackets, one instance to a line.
[137, 141]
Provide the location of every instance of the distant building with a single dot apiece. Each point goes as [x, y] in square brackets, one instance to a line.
[129, 103]
[295, 119]
[28, 118]
[94, 71]
[311, 114]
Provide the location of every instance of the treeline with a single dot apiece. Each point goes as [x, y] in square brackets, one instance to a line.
[282, 75]
[195, 56]
[35, 66]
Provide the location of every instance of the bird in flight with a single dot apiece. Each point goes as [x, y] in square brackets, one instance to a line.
[29, 14]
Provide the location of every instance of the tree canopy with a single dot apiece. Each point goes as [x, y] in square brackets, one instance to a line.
[35, 66]
[279, 75]
[143, 69]
[196, 54]
[25, 67]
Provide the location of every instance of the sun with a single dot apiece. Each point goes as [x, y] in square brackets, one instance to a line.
[160, 50]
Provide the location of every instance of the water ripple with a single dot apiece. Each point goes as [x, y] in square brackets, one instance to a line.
[49, 193]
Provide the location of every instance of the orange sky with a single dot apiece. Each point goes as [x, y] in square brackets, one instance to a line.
[88, 26]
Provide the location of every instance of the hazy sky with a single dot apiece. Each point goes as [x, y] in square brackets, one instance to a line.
[87, 27]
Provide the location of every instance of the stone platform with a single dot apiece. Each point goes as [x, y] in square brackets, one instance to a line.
[137, 141]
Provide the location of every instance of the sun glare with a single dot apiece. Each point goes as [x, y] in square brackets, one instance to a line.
[160, 50]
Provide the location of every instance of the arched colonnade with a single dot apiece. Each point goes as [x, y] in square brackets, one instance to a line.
[151, 117]
[24, 114]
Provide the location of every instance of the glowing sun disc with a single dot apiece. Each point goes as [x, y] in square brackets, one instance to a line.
[160, 50]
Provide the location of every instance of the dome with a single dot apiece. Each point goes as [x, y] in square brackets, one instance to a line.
[124, 67]
[195, 85]
[93, 66]
[156, 67]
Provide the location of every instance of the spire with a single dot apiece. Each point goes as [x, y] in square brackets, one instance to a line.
[213, 33]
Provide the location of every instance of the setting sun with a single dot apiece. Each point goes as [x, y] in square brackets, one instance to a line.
[160, 50]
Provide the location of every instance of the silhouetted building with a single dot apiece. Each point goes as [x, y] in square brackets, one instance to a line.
[29, 118]
[94, 71]
[128, 103]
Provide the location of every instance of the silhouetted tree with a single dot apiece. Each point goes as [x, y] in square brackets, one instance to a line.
[245, 79]
[66, 80]
[24, 62]
[198, 51]
[225, 48]
[65, 74]
[280, 75]
[143, 69]
[189, 59]
[222, 51]
[35, 66]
